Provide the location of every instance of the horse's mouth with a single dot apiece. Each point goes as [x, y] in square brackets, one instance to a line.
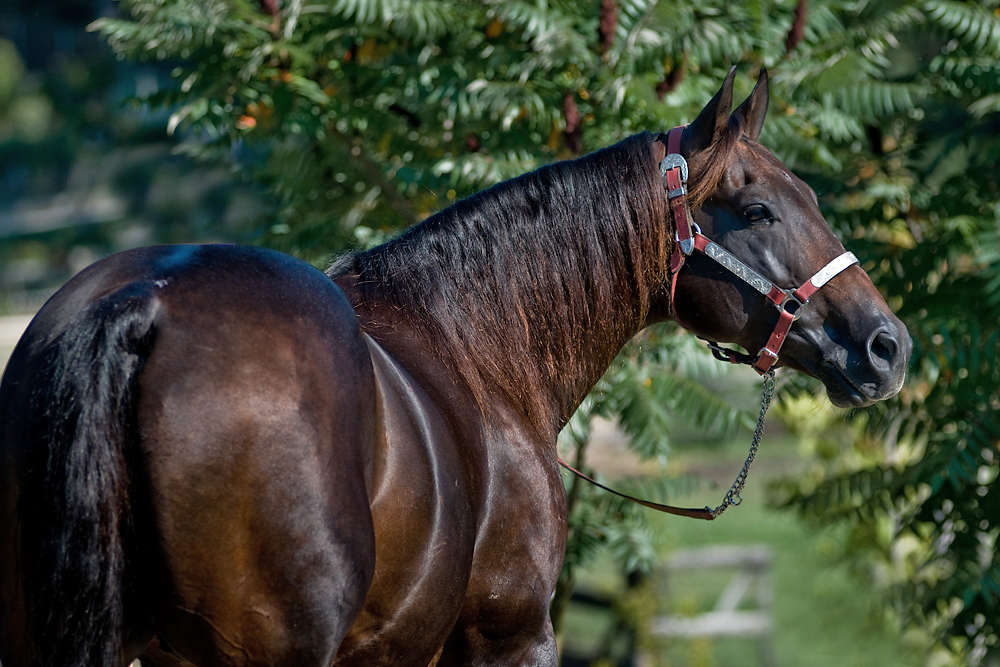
[842, 389]
[845, 392]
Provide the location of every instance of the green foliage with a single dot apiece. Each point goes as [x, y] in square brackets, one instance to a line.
[659, 378]
[921, 203]
[362, 116]
[378, 113]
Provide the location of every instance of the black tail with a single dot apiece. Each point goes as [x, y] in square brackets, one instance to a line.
[75, 522]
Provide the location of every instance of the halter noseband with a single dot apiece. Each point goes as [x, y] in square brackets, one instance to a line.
[689, 238]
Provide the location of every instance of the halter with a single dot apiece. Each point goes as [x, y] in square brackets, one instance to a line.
[789, 303]
[689, 238]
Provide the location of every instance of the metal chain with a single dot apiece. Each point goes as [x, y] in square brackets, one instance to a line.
[733, 497]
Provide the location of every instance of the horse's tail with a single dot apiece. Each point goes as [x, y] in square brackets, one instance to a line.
[80, 514]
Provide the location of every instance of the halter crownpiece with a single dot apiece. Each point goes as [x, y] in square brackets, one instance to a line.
[689, 238]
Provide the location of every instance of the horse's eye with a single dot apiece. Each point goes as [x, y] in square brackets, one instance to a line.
[757, 213]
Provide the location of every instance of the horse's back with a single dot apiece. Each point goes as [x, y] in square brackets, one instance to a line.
[249, 449]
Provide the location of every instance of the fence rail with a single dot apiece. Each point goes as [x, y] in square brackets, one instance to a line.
[749, 583]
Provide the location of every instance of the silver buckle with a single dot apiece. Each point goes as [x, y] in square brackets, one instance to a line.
[687, 245]
[674, 161]
[766, 350]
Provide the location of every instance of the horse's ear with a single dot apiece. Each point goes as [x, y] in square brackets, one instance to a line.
[711, 122]
[754, 108]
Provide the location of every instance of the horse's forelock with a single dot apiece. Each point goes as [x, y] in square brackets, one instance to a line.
[709, 166]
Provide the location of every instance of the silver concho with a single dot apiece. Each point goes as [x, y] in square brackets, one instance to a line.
[674, 161]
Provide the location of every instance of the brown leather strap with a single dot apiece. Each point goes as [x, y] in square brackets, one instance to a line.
[676, 180]
[769, 353]
[705, 513]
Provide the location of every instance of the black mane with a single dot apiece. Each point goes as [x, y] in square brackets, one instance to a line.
[534, 275]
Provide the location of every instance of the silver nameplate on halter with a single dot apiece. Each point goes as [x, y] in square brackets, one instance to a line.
[840, 263]
[674, 161]
[738, 268]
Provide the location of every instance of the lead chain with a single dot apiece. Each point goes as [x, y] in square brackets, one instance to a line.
[733, 497]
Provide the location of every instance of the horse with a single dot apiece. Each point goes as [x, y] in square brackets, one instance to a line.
[220, 455]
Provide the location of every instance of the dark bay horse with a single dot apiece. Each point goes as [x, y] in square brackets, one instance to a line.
[219, 455]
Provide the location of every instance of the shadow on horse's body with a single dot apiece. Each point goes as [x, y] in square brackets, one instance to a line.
[225, 452]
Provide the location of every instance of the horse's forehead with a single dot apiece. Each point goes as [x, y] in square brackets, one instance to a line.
[757, 164]
[753, 162]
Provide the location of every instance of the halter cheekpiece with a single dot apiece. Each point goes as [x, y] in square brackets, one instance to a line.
[689, 238]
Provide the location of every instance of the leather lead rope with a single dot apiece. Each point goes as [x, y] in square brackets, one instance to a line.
[733, 496]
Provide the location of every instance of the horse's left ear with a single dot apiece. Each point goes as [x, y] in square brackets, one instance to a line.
[706, 129]
[754, 108]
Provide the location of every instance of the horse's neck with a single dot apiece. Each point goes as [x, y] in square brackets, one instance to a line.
[616, 278]
[532, 288]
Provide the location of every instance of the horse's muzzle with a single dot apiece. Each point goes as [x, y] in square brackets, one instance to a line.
[874, 373]
[889, 350]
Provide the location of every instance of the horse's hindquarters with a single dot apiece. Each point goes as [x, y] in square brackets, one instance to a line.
[218, 404]
[255, 414]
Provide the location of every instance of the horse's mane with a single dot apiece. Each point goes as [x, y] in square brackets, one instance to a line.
[513, 283]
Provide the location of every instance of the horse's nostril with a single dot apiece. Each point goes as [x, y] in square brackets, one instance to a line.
[882, 349]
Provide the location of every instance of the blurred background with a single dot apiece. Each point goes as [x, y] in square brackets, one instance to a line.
[867, 537]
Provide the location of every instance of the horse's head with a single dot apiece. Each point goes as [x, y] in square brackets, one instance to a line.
[748, 203]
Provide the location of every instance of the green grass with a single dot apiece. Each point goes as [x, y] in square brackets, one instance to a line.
[824, 616]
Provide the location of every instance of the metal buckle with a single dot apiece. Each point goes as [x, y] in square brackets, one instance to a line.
[687, 245]
[726, 354]
[674, 161]
[791, 304]
[768, 352]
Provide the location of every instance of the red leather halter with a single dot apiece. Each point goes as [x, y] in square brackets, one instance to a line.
[789, 303]
[689, 238]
